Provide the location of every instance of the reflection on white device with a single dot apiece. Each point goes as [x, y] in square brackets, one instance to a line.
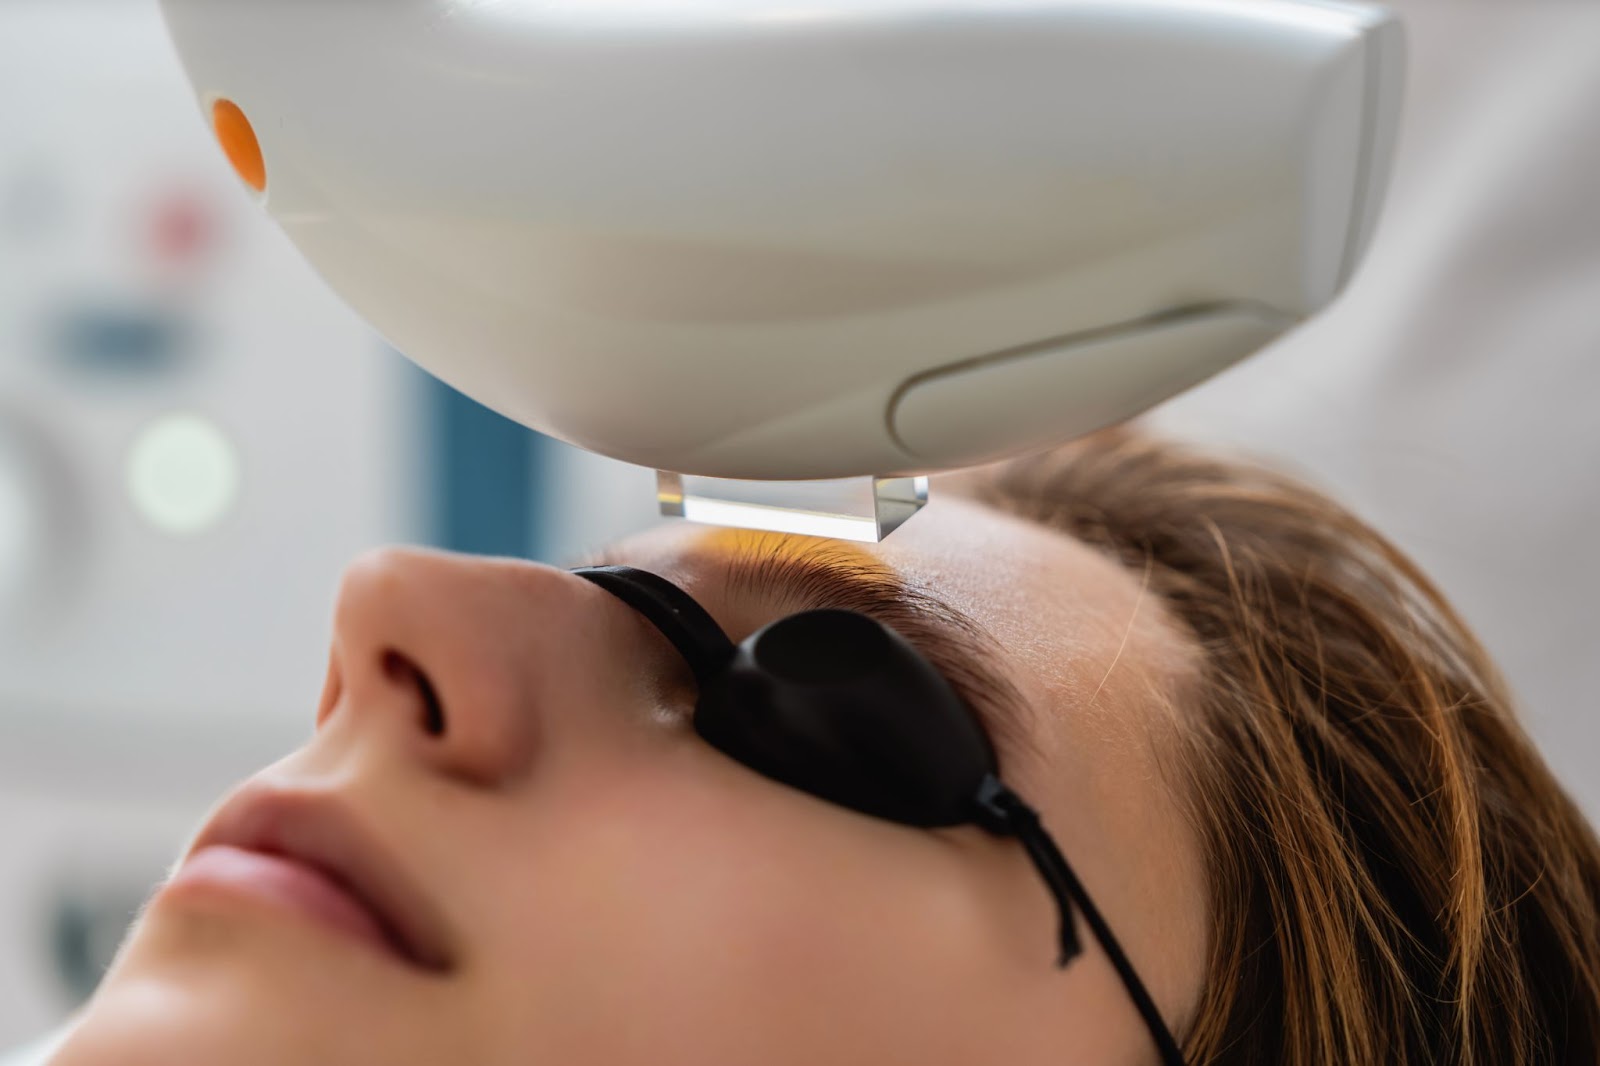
[848, 238]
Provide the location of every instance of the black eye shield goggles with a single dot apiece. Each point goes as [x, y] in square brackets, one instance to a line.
[836, 704]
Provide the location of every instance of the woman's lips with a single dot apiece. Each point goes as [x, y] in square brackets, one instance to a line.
[285, 882]
[309, 849]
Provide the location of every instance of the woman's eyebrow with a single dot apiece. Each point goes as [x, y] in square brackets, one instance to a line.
[810, 574]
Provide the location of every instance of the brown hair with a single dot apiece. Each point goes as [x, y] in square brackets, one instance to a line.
[1394, 875]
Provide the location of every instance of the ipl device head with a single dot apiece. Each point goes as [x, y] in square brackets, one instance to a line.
[805, 239]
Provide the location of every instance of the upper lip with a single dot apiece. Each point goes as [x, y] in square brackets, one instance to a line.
[321, 832]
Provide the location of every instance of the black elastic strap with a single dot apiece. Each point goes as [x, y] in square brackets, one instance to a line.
[696, 635]
[1001, 806]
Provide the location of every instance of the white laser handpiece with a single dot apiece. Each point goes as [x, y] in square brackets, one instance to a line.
[798, 239]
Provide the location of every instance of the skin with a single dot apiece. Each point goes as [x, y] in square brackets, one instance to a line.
[617, 892]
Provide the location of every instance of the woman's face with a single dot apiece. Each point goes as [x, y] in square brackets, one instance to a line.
[604, 887]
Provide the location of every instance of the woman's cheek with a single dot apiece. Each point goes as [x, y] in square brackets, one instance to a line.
[691, 907]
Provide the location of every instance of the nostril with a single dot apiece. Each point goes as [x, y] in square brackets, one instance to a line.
[399, 668]
[432, 713]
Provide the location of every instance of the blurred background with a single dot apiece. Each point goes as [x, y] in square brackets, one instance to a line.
[196, 437]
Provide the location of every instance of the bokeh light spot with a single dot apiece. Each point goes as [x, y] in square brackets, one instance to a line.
[183, 474]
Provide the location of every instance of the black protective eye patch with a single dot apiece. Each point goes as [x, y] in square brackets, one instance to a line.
[841, 706]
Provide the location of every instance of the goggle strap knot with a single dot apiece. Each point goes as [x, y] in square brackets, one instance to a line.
[1004, 813]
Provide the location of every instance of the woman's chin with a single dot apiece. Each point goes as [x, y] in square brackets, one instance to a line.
[221, 983]
[134, 1021]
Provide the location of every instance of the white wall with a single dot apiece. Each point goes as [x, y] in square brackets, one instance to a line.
[1450, 395]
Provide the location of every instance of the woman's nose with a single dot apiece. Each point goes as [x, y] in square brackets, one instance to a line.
[453, 656]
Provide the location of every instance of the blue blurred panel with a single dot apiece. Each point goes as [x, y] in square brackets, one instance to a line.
[124, 343]
[485, 472]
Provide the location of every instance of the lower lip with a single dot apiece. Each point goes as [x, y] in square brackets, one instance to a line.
[281, 881]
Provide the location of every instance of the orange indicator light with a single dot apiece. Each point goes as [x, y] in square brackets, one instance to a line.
[239, 142]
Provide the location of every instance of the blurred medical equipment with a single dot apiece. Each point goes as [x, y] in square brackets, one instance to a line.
[840, 239]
